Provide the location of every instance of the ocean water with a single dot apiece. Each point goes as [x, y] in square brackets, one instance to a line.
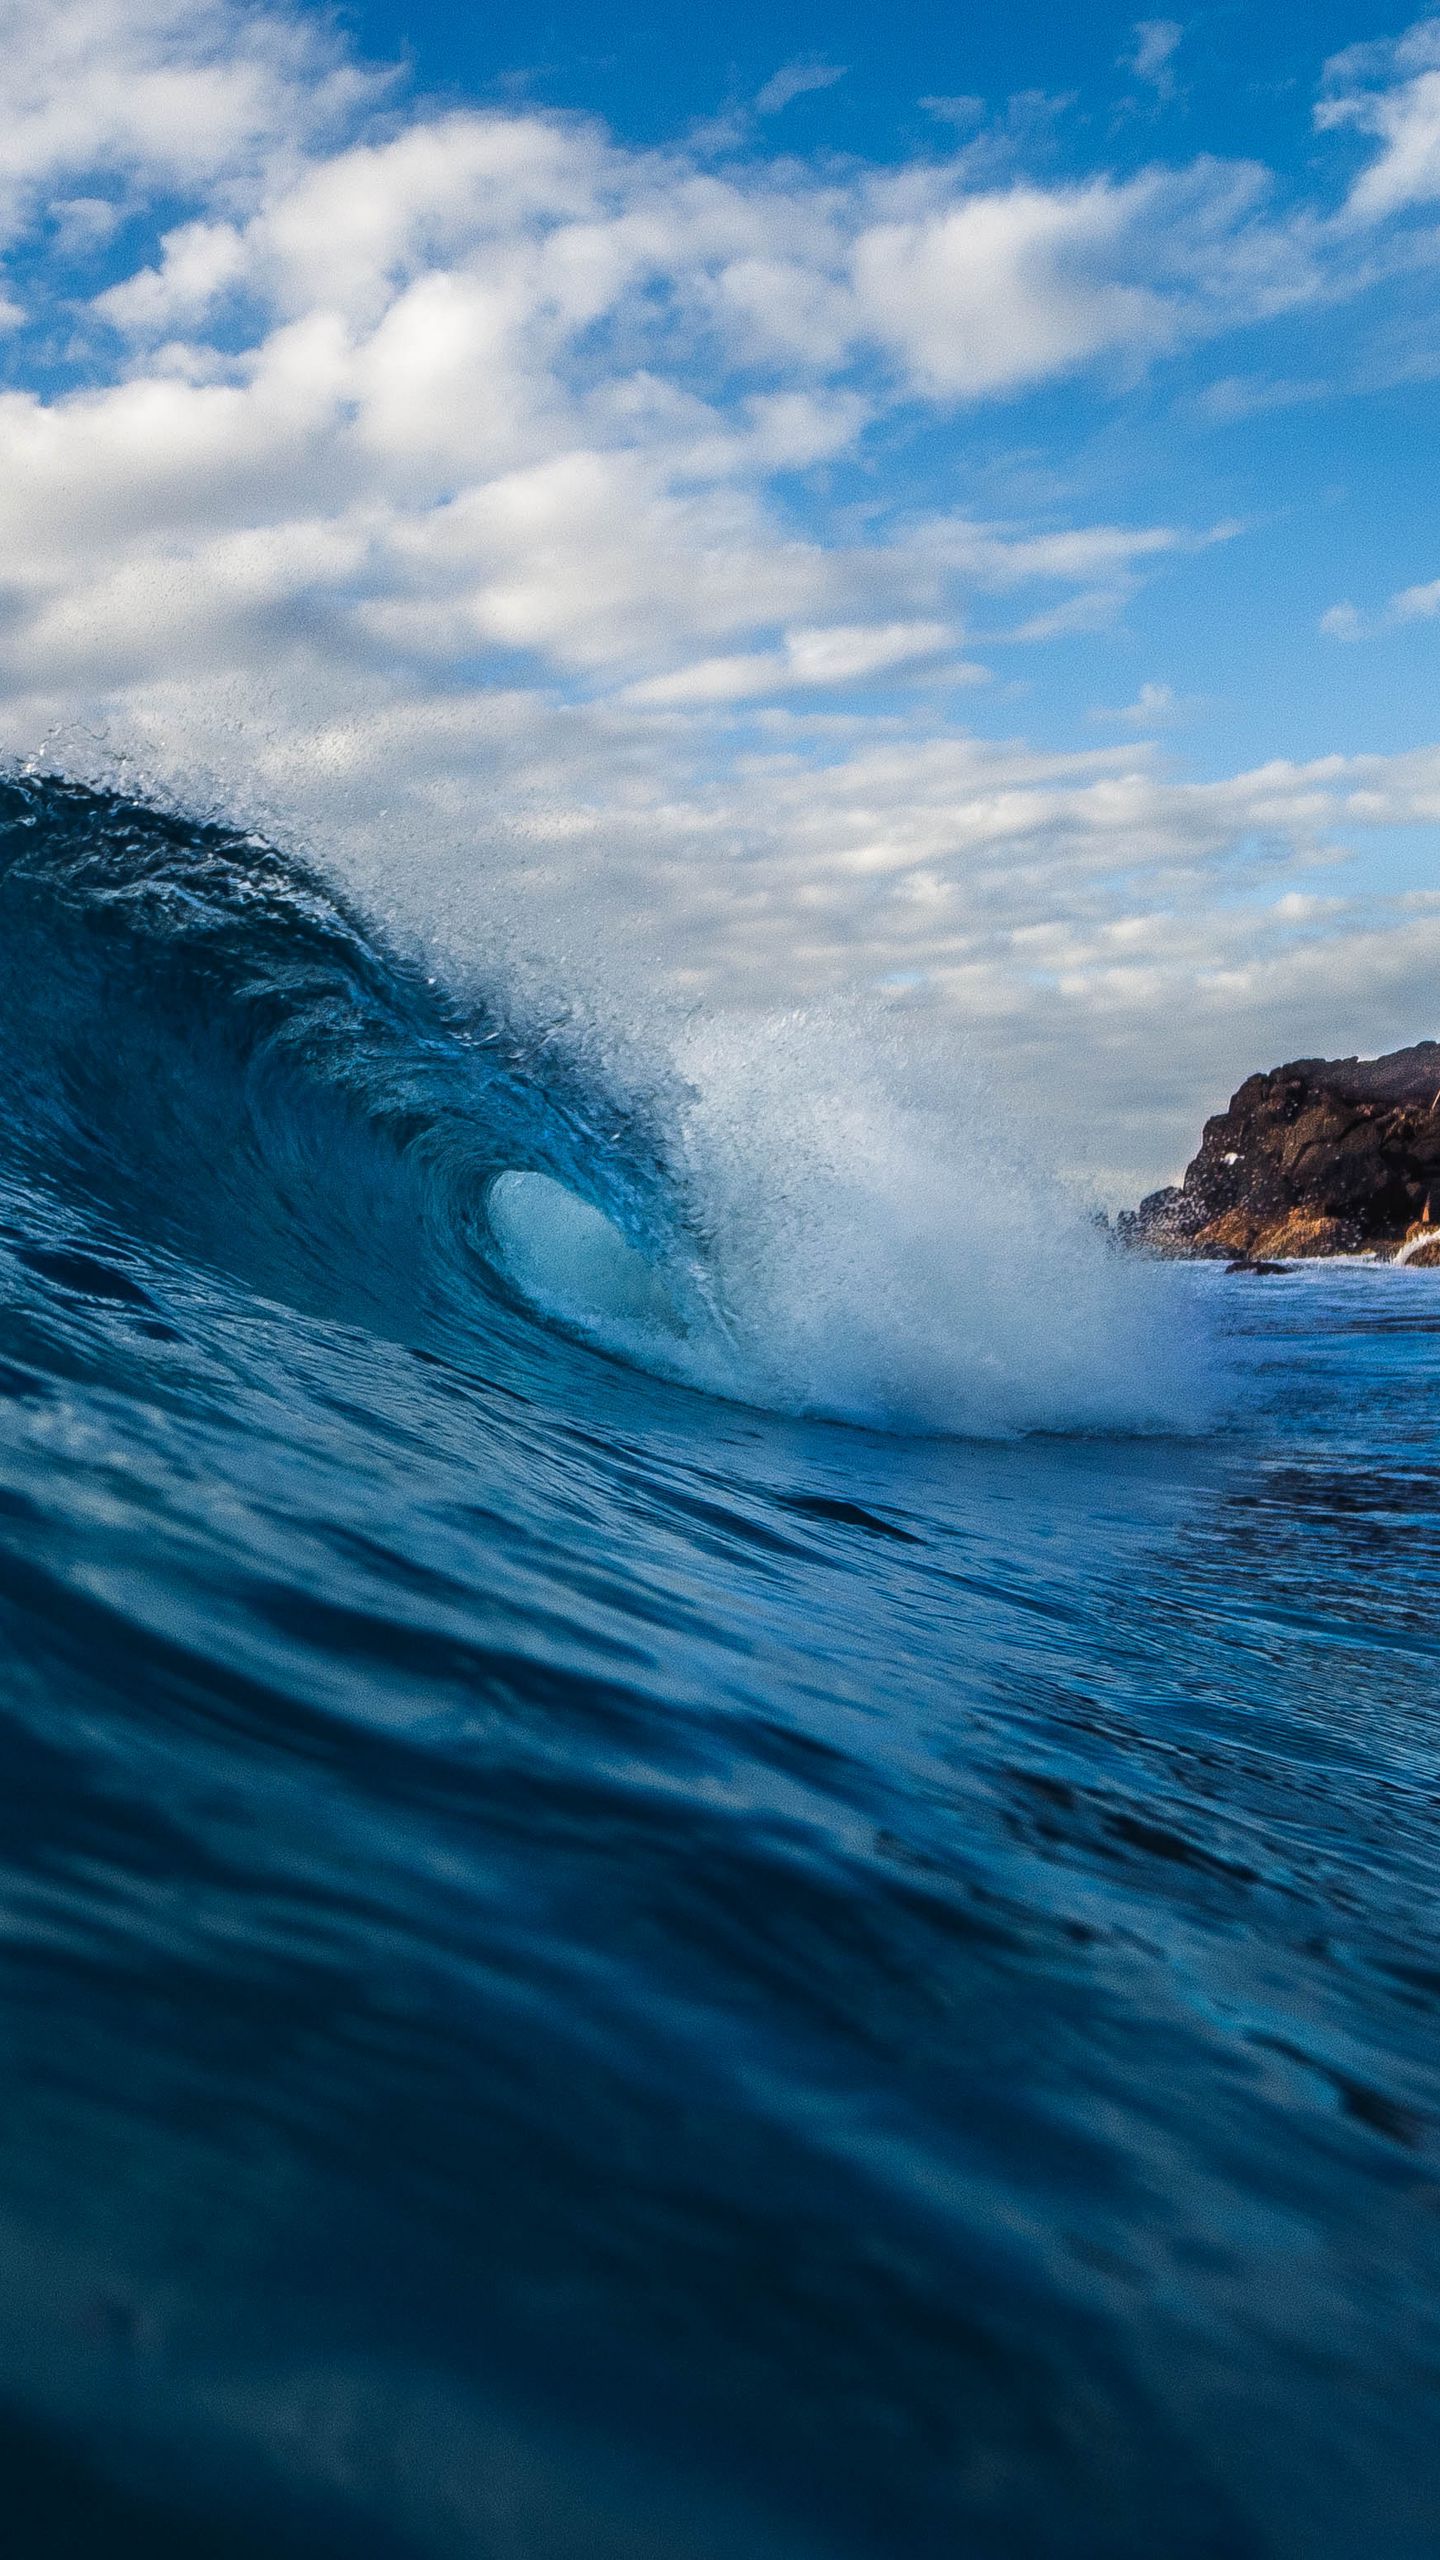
[712, 1844]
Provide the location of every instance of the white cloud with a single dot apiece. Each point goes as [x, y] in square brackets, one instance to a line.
[1006, 289]
[1154, 707]
[796, 80]
[83, 224]
[200, 261]
[1417, 604]
[1236, 396]
[1411, 604]
[1151, 57]
[821, 658]
[1391, 91]
[963, 112]
[432, 485]
[170, 92]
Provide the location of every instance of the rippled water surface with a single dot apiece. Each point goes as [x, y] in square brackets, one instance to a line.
[592, 1969]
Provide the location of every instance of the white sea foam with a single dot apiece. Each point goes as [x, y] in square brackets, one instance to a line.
[862, 1243]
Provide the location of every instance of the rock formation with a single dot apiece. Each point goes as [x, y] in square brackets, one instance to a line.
[1328, 1155]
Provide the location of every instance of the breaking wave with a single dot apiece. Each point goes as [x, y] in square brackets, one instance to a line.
[206, 1038]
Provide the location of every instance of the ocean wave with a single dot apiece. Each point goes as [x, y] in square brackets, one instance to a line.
[207, 1038]
[589, 1968]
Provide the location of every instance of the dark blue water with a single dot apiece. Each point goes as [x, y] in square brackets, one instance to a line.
[591, 1970]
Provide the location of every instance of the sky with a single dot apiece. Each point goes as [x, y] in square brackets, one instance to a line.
[925, 511]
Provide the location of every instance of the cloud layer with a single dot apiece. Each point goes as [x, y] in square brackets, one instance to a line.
[507, 511]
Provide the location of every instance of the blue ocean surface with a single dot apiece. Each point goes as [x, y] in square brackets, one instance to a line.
[669, 1887]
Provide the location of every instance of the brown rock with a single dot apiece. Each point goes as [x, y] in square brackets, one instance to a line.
[1299, 1237]
[1239, 1231]
[1338, 1155]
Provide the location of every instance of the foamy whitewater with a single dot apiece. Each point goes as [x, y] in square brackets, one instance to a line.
[830, 1245]
[716, 1842]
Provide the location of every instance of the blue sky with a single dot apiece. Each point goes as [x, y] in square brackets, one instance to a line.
[782, 509]
[1337, 491]
[1238, 72]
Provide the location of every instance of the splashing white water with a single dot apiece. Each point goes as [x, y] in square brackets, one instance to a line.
[861, 1246]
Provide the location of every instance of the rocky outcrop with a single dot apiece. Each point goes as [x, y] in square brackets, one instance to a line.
[1327, 1155]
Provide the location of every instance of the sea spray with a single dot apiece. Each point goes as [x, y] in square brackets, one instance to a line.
[861, 1244]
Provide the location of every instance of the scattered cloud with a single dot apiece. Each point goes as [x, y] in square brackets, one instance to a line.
[475, 497]
[962, 112]
[166, 94]
[1155, 706]
[1411, 604]
[820, 659]
[1234, 396]
[1151, 56]
[1390, 91]
[796, 80]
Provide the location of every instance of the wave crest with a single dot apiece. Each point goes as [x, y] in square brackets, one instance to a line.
[205, 1037]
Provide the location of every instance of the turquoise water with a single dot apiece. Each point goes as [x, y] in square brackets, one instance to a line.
[592, 1966]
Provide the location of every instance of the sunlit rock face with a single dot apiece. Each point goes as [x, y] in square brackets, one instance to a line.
[1324, 1156]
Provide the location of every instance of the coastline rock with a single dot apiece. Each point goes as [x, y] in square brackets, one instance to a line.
[1324, 1156]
